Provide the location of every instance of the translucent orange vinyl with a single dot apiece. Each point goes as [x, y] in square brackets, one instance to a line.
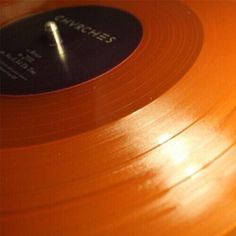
[147, 148]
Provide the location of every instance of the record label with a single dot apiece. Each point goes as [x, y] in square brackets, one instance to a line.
[93, 40]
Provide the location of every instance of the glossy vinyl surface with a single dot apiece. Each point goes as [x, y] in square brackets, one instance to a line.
[162, 165]
[105, 98]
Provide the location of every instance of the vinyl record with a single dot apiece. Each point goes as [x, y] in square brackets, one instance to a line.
[118, 118]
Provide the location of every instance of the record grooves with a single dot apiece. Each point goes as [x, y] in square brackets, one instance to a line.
[109, 90]
[136, 139]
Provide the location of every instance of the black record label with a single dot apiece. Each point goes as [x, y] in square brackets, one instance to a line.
[89, 41]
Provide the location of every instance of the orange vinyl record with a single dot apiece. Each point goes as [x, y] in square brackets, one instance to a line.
[118, 118]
